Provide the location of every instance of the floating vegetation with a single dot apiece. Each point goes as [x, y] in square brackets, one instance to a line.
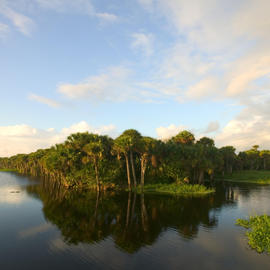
[259, 232]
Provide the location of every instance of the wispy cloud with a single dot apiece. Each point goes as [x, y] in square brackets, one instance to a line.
[169, 131]
[4, 29]
[222, 51]
[23, 23]
[26, 25]
[143, 42]
[81, 7]
[107, 17]
[44, 100]
[251, 126]
[111, 85]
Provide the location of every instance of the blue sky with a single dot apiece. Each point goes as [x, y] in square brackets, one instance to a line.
[158, 66]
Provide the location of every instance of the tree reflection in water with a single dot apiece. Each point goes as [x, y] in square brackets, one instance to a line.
[131, 220]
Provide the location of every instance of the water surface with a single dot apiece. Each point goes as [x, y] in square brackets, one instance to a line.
[45, 227]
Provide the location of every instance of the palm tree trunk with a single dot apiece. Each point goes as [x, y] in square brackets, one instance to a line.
[201, 177]
[97, 176]
[128, 172]
[133, 168]
[143, 168]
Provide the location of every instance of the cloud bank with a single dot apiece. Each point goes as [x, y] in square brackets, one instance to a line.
[26, 139]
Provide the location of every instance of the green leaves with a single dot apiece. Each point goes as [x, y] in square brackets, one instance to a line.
[184, 137]
[259, 232]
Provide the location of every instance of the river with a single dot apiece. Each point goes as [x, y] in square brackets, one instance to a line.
[43, 226]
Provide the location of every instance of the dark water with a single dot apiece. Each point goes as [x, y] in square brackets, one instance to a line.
[45, 227]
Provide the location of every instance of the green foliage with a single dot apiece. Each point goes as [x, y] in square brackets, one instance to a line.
[249, 176]
[259, 232]
[184, 137]
[177, 189]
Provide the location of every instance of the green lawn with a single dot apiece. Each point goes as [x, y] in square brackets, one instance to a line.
[257, 177]
[177, 189]
[259, 232]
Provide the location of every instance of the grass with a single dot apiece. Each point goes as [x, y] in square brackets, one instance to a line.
[8, 170]
[259, 232]
[252, 176]
[176, 189]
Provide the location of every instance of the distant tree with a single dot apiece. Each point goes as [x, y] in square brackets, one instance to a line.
[229, 157]
[184, 137]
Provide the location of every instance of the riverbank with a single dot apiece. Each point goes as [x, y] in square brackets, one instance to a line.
[250, 176]
[159, 188]
[176, 189]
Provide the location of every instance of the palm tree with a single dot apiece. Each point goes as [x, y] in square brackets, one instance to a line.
[229, 157]
[265, 155]
[184, 137]
[121, 146]
[146, 147]
[133, 138]
[96, 151]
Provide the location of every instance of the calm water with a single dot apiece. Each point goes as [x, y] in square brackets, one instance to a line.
[45, 227]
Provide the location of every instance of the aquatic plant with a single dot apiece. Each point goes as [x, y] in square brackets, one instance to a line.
[259, 232]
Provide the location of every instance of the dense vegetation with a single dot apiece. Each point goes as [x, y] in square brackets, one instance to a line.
[259, 234]
[131, 160]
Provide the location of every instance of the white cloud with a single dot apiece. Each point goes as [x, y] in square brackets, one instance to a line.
[17, 131]
[108, 17]
[246, 70]
[4, 29]
[143, 42]
[202, 89]
[26, 139]
[112, 85]
[168, 132]
[250, 127]
[222, 51]
[24, 24]
[43, 100]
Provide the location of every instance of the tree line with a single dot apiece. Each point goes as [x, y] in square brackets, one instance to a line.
[132, 159]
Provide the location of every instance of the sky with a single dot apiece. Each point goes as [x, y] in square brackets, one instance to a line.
[158, 66]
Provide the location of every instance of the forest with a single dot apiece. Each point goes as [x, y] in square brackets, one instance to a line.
[131, 160]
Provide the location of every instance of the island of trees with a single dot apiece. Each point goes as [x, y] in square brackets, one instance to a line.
[133, 161]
